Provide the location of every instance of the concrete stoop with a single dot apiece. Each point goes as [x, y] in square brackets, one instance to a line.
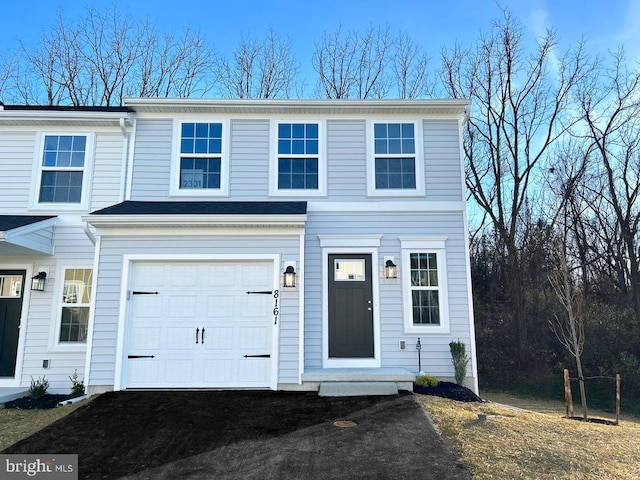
[8, 394]
[352, 389]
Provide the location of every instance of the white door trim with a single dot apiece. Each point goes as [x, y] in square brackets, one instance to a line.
[369, 246]
[128, 262]
[22, 334]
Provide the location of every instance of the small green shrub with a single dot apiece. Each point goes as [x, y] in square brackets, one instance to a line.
[427, 381]
[77, 386]
[460, 360]
[38, 387]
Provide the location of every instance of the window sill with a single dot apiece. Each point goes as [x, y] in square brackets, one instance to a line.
[427, 329]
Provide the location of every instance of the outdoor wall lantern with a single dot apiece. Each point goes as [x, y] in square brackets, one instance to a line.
[390, 269]
[290, 277]
[37, 282]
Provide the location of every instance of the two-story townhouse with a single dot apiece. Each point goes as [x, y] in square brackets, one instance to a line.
[56, 164]
[283, 244]
[241, 244]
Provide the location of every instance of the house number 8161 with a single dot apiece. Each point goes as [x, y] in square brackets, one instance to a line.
[276, 309]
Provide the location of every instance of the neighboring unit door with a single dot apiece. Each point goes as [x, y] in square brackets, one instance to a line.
[350, 306]
[193, 325]
[11, 294]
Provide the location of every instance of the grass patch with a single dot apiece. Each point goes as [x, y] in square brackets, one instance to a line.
[515, 443]
[18, 424]
[601, 394]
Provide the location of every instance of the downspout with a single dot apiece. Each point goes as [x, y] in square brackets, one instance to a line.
[85, 227]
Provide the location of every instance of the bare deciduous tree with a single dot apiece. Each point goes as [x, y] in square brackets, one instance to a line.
[353, 65]
[409, 64]
[569, 329]
[264, 68]
[520, 111]
[610, 103]
[104, 56]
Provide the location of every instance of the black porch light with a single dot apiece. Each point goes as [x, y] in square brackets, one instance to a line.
[37, 282]
[390, 269]
[290, 277]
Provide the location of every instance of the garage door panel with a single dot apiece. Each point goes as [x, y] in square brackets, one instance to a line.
[146, 306]
[252, 338]
[209, 295]
[253, 370]
[220, 306]
[179, 372]
[219, 338]
[146, 338]
[219, 371]
[180, 338]
[183, 275]
[182, 306]
[144, 371]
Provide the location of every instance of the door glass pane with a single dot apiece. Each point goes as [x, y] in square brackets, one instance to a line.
[347, 270]
[10, 286]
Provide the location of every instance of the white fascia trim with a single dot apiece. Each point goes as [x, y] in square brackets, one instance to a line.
[63, 118]
[192, 220]
[386, 206]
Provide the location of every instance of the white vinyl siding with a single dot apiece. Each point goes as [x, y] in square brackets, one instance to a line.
[392, 226]
[72, 248]
[444, 175]
[16, 149]
[108, 170]
[152, 159]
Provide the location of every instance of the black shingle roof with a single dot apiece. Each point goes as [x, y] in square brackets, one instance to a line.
[68, 108]
[9, 222]
[204, 208]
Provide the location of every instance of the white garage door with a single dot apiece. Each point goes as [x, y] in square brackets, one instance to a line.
[193, 325]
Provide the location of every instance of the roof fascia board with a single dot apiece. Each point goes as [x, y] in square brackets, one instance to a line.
[137, 221]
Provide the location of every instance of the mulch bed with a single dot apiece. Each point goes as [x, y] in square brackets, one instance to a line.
[449, 390]
[44, 402]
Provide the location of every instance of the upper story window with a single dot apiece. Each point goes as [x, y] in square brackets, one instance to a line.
[200, 155]
[62, 169]
[397, 164]
[298, 156]
[202, 165]
[299, 168]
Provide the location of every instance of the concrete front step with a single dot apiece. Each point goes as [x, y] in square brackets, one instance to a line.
[9, 393]
[353, 389]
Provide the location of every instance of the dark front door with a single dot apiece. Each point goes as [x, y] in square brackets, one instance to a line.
[11, 293]
[350, 306]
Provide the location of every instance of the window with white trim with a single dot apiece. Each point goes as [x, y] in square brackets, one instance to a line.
[396, 163]
[424, 280]
[299, 166]
[62, 169]
[76, 300]
[201, 167]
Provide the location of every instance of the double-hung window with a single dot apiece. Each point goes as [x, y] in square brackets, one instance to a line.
[424, 277]
[76, 300]
[202, 164]
[62, 169]
[299, 166]
[397, 165]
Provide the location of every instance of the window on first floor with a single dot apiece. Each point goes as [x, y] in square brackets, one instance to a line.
[76, 300]
[425, 286]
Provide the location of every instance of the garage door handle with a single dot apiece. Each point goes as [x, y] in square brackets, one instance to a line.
[202, 335]
[197, 333]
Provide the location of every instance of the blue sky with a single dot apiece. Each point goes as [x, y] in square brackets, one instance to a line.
[432, 23]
